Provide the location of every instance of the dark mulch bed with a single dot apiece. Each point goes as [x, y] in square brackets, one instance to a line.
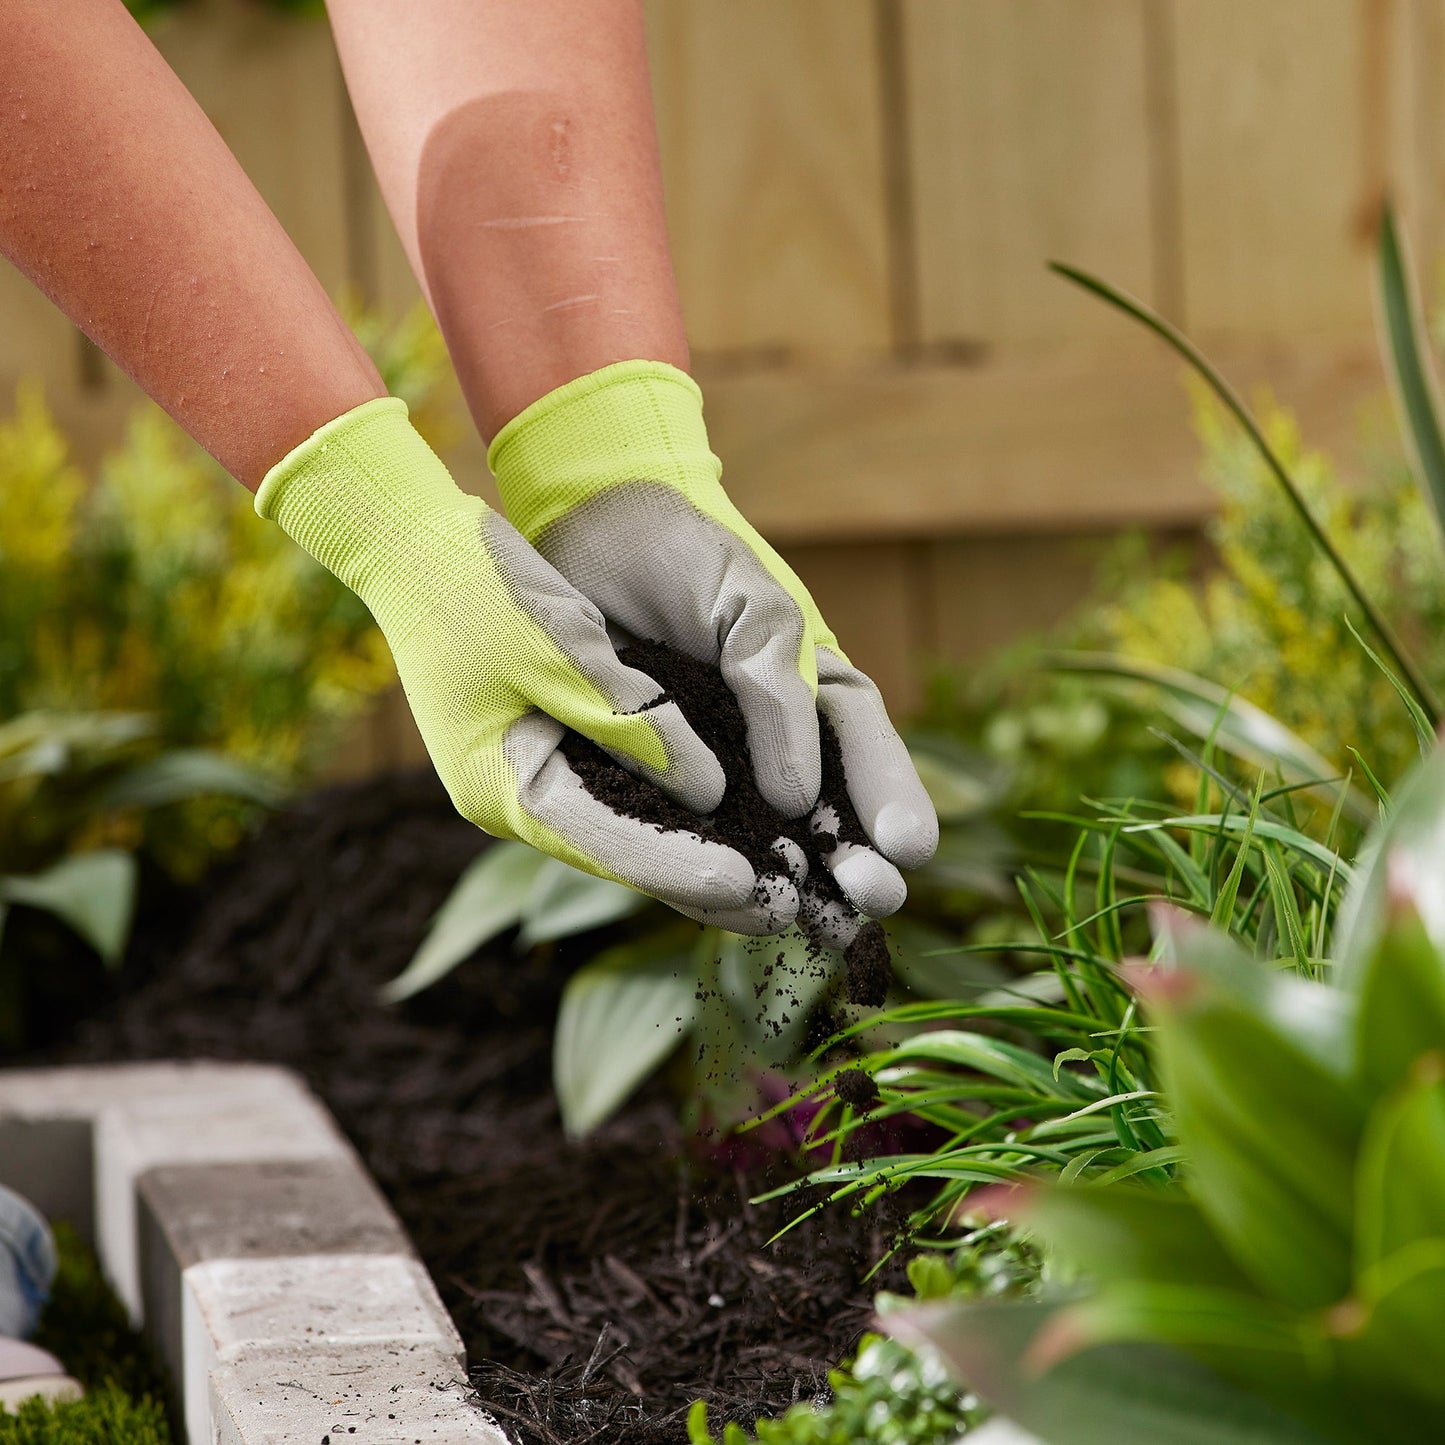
[600, 1287]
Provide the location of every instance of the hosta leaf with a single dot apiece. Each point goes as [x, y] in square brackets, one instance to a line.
[621, 1015]
[772, 985]
[564, 901]
[1128, 1233]
[488, 899]
[93, 893]
[186, 773]
[1104, 1396]
[1401, 1014]
[1400, 1178]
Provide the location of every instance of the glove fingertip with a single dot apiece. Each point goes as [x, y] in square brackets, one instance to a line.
[905, 835]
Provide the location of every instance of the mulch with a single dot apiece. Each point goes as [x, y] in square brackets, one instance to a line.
[600, 1287]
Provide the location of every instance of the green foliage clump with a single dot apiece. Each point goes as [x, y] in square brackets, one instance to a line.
[85, 1326]
[890, 1394]
[151, 588]
[1299, 1259]
[1272, 620]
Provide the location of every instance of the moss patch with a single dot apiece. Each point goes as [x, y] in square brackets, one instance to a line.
[86, 1327]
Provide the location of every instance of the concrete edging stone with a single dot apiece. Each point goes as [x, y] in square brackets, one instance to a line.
[244, 1234]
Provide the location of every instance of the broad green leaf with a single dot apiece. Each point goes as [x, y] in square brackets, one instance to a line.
[1405, 343]
[564, 901]
[1401, 1013]
[1400, 1177]
[93, 893]
[958, 791]
[621, 1015]
[487, 900]
[1237, 727]
[1318, 1020]
[1405, 855]
[1111, 1395]
[1270, 1137]
[1129, 1233]
[186, 773]
[37, 744]
[773, 985]
[1396, 1345]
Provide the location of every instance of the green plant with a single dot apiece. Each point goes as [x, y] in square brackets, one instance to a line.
[741, 1006]
[889, 1394]
[152, 588]
[85, 1326]
[1300, 1256]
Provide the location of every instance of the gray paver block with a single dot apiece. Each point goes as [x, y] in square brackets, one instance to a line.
[287, 1309]
[282, 1207]
[370, 1394]
[214, 1116]
[190, 1213]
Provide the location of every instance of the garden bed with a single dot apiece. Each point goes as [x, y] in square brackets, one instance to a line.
[600, 1287]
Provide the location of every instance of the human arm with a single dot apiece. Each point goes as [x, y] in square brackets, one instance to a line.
[121, 202]
[515, 147]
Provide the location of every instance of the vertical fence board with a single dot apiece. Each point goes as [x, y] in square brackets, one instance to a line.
[770, 128]
[36, 340]
[866, 592]
[1028, 122]
[271, 85]
[1275, 184]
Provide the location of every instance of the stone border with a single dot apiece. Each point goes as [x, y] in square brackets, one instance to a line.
[244, 1234]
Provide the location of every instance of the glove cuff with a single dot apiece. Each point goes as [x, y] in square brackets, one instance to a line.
[358, 492]
[626, 422]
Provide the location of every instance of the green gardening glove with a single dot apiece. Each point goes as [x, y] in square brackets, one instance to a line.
[499, 655]
[610, 477]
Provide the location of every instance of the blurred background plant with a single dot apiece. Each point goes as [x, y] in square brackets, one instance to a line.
[169, 665]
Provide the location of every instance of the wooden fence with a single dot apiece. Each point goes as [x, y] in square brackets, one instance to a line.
[862, 195]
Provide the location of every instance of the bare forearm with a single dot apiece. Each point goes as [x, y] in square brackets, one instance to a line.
[120, 201]
[515, 148]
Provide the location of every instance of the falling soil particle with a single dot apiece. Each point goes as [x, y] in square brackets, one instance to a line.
[870, 969]
[744, 820]
[584, 1277]
[856, 1088]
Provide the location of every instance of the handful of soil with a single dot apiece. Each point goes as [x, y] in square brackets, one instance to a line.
[744, 820]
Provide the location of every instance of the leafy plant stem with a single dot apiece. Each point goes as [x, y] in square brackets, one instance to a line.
[1241, 413]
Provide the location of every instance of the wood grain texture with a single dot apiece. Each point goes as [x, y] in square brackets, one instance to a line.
[769, 123]
[1276, 185]
[869, 594]
[1056, 444]
[1028, 122]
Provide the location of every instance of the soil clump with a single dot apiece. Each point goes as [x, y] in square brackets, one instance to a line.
[745, 820]
[601, 1286]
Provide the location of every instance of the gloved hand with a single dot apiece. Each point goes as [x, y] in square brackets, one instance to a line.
[499, 655]
[610, 477]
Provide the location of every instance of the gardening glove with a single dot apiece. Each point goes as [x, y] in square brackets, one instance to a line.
[499, 656]
[611, 479]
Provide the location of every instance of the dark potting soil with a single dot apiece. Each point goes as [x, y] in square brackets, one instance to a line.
[601, 1286]
[745, 820]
